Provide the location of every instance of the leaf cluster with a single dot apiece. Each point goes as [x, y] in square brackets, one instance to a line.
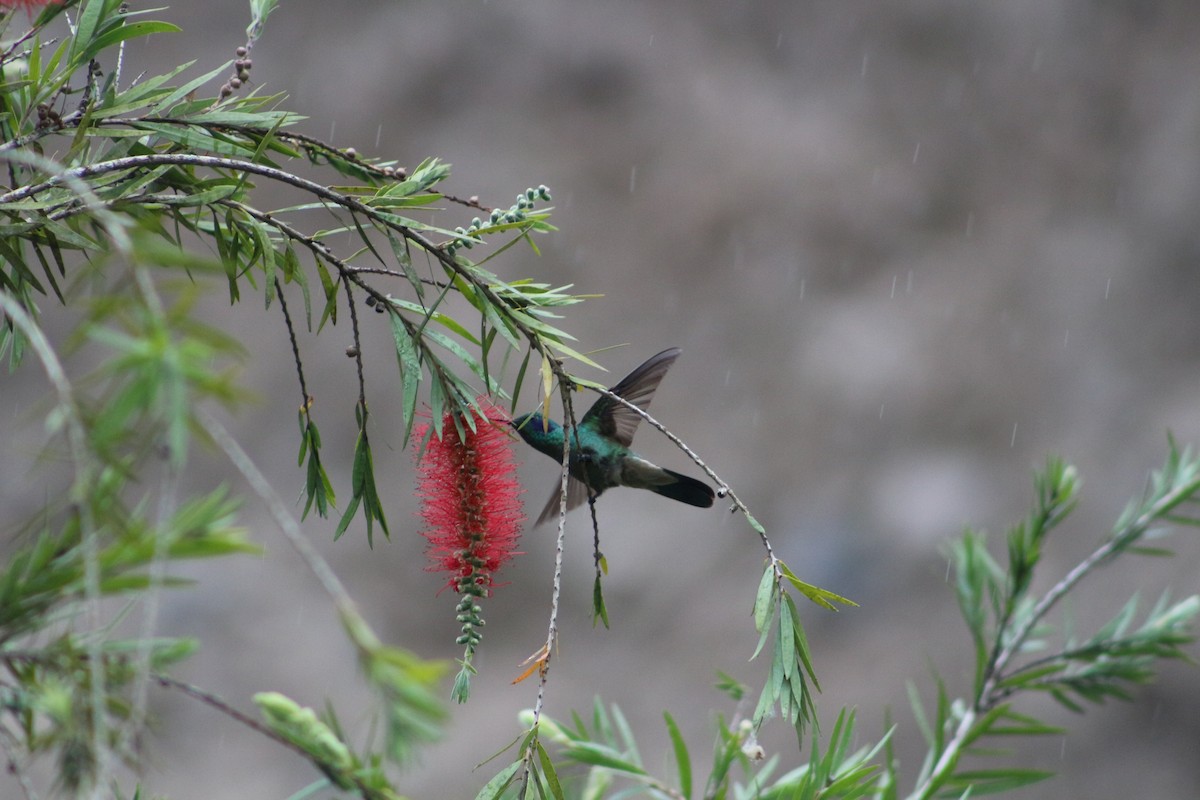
[1010, 636]
[115, 189]
[155, 165]
[603, 760]
[1018, 649]
[121, 193]
[73, 687]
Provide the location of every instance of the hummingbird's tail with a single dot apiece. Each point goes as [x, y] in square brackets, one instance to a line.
[686, 490]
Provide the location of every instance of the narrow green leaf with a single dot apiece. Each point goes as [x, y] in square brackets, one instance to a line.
[410, 373]
[599, 611]
[1010, 723]
[439, 317]
[496, 787]
[599, 755]
[627, 742]
[437, 406]
[360, 466]
[459, 351]
[143, 91]
[49, 273]
[347, 516]
[766, 700]
[362, 484]
[548, 771]
[502, 324]
[129, 30]
[787, 642]
[943, 715]
[683, 761]
[195, 139]
[801, 641]
[1065, 701]
[516, 393]
[570, 353]
[822, 597]
[268, 256]
[778, 673]
[993, 781]
[762, 640]
[331, 291]
[918, 710]
[1024, 677]
[166, 105]
[1160, 552]
[764, 599]
[730, 686]
[85, 28]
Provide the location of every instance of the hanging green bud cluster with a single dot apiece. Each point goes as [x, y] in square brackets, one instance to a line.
[301, 726]
[468, 615]
[515, 214]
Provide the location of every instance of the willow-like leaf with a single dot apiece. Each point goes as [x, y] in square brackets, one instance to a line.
[548, 772]
[822, 597]
[498, 785]
[599, 610]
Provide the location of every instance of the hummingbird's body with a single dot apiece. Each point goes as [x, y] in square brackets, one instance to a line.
[600, 457]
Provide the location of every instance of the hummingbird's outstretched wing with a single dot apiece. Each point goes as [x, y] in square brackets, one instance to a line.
[638, 387]
[576, 494]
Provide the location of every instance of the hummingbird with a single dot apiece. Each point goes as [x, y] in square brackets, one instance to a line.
[600, 457]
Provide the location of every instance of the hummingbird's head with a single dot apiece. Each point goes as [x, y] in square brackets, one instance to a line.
[534, 428]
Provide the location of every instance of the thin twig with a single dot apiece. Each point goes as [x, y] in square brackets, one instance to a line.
[358, 357]
[287, 319]
[214, 701]
[1132, 532]
[350, 275]
[723, 490]
[555, 596]
[20, 40]
[76, 176]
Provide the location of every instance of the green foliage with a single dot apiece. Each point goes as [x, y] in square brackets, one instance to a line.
[153, 189]
[1002, 618]
[73, 687]
[1012, 635]
[301, 727]
[608, 755]
[777, 618]
[160, 159]
[146, 173]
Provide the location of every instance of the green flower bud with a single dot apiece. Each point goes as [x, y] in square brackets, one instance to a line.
[300, 725]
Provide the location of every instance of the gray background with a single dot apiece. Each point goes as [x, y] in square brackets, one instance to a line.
[909, 250]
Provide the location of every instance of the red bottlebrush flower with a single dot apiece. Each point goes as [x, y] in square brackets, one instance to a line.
[471, 500]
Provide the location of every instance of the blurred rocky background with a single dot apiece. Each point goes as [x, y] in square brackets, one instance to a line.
[909, 250]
